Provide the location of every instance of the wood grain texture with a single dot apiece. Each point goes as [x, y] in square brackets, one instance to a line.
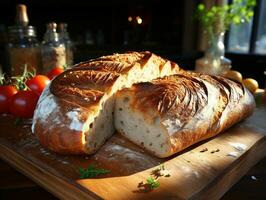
[12, 179]
[194, 174]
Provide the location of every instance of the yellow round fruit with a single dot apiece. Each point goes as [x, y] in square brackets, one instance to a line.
[251, 84]
[234, 75]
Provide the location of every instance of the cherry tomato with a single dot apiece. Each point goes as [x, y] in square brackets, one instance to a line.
[23, 103]
[38, 83]
[6, 92]
[55, 72]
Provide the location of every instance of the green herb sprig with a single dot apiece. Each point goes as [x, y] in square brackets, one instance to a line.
[91, 172]
[152, 183]
[217, 19]
[20, 81]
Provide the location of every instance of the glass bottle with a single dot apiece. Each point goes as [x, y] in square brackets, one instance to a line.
[64, 37]
[53, 49]
[23, 47]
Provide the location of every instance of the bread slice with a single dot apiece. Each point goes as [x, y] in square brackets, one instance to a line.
[74, 114]
[171, 113]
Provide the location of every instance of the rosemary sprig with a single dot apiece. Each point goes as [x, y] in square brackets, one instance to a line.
[91, 172]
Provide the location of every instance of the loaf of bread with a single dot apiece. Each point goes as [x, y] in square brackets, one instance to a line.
[74, 114]
[168, 114]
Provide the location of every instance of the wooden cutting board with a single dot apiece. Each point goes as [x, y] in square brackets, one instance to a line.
[194, 173]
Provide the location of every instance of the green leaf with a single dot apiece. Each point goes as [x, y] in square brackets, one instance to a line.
[152, 183]
[201, 7]
[236, 19]
[226, 7]
[250, 13]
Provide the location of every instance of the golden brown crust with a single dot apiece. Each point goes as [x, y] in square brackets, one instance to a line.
[85, 79]
[235, 104]
[118, 63]
[173, 96]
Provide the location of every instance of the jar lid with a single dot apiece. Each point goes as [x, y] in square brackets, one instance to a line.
[51, 26]
[62, 26]
[22, 30]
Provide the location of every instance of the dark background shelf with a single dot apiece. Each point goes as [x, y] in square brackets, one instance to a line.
[168, 28]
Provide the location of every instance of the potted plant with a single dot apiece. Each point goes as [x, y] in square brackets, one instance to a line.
[215, 22]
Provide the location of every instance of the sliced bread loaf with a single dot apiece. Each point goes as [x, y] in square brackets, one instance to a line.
[171, 113]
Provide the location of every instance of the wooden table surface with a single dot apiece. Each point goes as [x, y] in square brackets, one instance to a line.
[194, 174]
[14, 185]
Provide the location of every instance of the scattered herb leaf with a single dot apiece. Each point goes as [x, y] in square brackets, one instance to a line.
[149, 185]
[161, 167]
[216, 150]
[152, 183]
[160, 171]
[91, 172]
[203, 150]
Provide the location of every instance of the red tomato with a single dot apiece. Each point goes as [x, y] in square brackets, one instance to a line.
[55, 72]
[38, 83]
[23, 104]
[6, 92]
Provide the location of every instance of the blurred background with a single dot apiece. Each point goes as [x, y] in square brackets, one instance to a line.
[167, 28]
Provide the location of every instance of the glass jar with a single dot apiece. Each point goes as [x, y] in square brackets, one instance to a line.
[214, 62]
[64, 37]
[53, 49]
[23, 49]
